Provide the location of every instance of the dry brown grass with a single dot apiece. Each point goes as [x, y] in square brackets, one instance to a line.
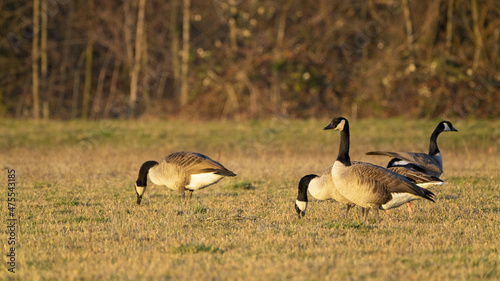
[78, 219]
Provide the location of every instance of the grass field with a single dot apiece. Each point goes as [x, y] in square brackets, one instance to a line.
[78, 220]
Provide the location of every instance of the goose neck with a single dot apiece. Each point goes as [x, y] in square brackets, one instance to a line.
[343, 155]
[143, 172]
[433, 148]
[303, 186]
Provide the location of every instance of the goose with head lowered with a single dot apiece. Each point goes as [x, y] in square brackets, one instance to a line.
[431, 163]
[367, 185]
[181, 171]
[321, 188]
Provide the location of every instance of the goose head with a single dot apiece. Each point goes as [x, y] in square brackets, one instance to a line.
[142, 179]
[337, 124]
[446, 126]
[301, 202]
[139, 190]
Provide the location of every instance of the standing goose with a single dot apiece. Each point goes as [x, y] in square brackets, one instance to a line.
[431, 163]
[415, 175]
[419, 178]
[321, 188]
[368, 185]
[181, 171]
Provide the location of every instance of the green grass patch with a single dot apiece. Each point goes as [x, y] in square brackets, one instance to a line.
[245, 185]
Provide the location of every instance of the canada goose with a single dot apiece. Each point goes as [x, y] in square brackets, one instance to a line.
[368, 185]
[415, 175]
[181, 171]
[431, 163]
[321, 188]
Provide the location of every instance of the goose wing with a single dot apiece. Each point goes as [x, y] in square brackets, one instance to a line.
[415, 176]
[421, 159]
[383, 181]
[196, 163]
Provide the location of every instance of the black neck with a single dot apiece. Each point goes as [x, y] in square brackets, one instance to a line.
[303, 185]
[433, 147]
[142, 179]
[343, 155]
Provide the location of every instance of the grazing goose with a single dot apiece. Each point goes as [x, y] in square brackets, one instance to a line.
[181, 171]
[431, 163]
[321, 188]
[368, 185]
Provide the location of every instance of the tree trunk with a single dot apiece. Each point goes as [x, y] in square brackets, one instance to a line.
[96, 105]
[232, 35]
[409, 31]
[185, 52]
[138, 52]
[112, 88]
[449, 26]
[43, 56]
[280, 36]
[63, 67]
[175, 47]
[88, 80]
[127, 30]
[146, 77]
[34, 59]
[477, 34]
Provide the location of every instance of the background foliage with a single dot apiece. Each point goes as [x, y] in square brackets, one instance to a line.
[252, 59]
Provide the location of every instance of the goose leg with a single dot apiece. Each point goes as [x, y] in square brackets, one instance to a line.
[190, 195]
[410, 210]
[348, 207]
[183, 197]
[365, 211]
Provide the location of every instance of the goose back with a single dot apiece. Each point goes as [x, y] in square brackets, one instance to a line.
[419, 178]
[188, 170]
[431, 165]
[368, 185]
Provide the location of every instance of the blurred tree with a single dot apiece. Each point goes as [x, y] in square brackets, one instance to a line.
[250, 59]
[139, 37]
[43, 57]
[185, 51]
[34, 59]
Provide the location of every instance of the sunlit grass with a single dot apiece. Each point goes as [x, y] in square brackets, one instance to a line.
[78, 219]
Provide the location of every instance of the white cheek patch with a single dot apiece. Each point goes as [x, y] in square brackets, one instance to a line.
[340, 126]
[302, 205]
[446, 127]
[140, 189]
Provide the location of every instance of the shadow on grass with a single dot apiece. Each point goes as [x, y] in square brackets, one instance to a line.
[343, 224]
[195, 248]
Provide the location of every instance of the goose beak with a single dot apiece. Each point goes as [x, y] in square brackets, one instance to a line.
[139, 190]
[299, 211]
[329, 127]
[453, 129]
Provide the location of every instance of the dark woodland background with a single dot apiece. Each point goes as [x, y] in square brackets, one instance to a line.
[66, 59]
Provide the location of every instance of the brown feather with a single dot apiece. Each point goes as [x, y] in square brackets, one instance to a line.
[421, 159]
[382, 182]
[196, 163]
[415, 176]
